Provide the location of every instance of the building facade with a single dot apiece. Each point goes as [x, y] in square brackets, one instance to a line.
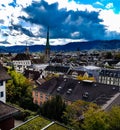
[3, 78]
[21, 62]
[110, 76]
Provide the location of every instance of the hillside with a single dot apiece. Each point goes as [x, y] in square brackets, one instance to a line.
[73, 46]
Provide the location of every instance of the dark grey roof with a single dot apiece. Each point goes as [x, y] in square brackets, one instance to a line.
[57, 60]
[32, 74]
[110, 73]
[37, 61]
[62, 69]
[3, 74]
[112, 62]
[21, 56]
[72, 90]
[6, 111]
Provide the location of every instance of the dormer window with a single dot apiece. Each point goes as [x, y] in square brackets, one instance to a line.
[86, 95]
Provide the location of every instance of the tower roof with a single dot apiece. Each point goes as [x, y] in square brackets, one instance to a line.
[47, 42]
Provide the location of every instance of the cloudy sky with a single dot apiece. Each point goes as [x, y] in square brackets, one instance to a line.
[26, 21]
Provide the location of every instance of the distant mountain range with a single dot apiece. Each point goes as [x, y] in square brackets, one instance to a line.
[72, 46]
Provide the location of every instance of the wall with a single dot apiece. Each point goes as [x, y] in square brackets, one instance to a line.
[3, 89]
[7, 124]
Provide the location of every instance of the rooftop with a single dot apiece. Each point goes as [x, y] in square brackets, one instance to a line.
[72, 90]
[3, 74]
[56, 68]
[40, 123]
[110, 73]
[6, 110]
[32, 74]
[21, 56]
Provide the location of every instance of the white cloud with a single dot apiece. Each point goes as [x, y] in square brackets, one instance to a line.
[72, 5]
[111, 20]
[64, 41]
[98, 3]
[24, 3]
[5, 2]
[109, 5]
[75, 34]
[8, 13]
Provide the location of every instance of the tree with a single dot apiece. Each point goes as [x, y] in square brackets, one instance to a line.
[10, 91]
[117, 56]
[53, 109]
[74, 112]
[19, 91]
[95, 120]
[114, 118]
[108, 55]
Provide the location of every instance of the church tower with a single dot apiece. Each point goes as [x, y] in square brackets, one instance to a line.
[27, 50]
[47, 48]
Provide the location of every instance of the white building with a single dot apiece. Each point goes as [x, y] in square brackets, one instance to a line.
[3, 77]
[21, 62]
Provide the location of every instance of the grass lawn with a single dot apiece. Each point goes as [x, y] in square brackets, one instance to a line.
[34, 124]
[56, 127]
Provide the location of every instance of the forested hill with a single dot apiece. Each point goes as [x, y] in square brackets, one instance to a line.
[72, 46]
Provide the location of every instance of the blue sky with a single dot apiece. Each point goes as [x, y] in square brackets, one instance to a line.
[26, 21]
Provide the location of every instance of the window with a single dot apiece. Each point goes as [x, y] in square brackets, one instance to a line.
[36, 93]
[47, 97]
[1, 83]
[41, 95]
[1, 94]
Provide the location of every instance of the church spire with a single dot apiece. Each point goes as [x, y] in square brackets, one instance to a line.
[26, 49]
[47, 48]
[47, 41]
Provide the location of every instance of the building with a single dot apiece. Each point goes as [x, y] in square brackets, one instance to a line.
[73, 73]
[3, 78]
[72, 90]
[21, 62]
[111, 63]
[6, 116]
[47, 48]
[90, 69]
[32, 75]
[59, 69]
[110, 76]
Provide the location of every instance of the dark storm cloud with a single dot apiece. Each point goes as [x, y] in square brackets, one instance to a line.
[21, 30]
[63, 23]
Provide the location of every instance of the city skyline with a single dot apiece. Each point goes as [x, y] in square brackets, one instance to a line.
[26, 21]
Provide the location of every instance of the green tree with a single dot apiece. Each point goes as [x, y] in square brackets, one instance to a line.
[19, 91]
[10, 91]
[114, 118]
[74, 112]
[117, 56]
[95, 120]
[53, 109]
[108, 55]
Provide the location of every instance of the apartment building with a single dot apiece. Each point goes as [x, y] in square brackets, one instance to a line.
[3, 78]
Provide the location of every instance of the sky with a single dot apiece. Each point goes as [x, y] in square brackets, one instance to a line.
[26, 21]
